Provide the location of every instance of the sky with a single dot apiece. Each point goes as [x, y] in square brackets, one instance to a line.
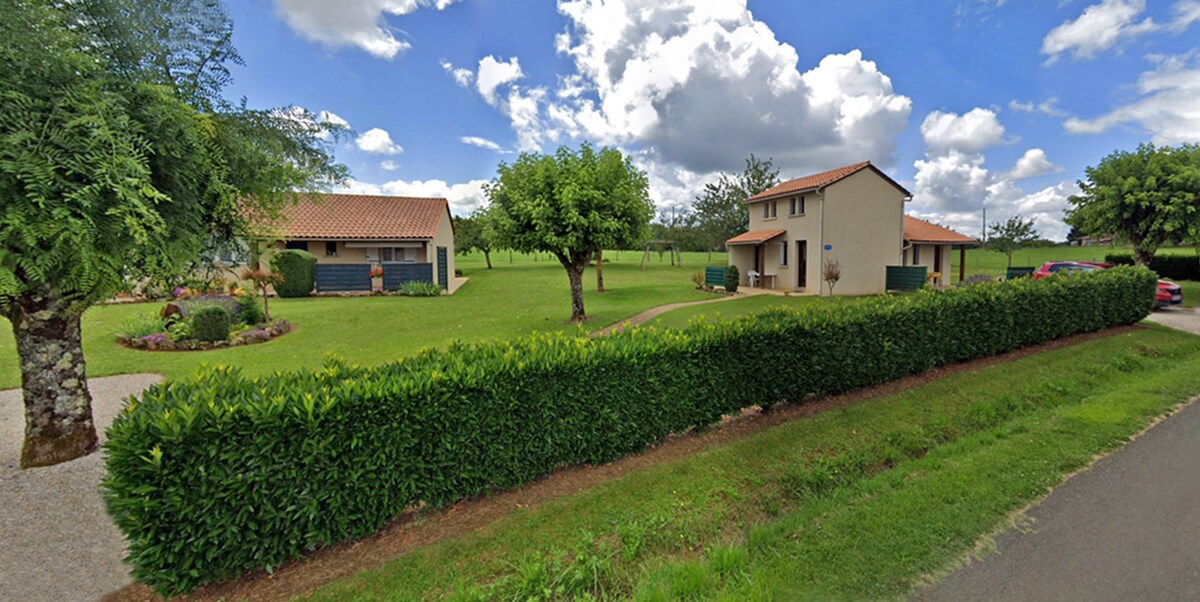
[969, 104]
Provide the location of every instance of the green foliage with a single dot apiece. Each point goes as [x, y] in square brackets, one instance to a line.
[180, 330]
[211, 323]
[141, 326]
[253, 479]
[1146, 197]
[1009, 236]
[1175, 267]
[732, 278]
[420, 288]
[476, 232]
[571, 204]
[720, 213]
[299, 271]
[252, 312]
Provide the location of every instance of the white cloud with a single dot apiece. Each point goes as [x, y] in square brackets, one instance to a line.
[1168, 108]
[483, 143]
[1046, 107]
[389, 165]
[952, 185]
[703, 84]
[1033, 164]
[1105, 25]
[376, 140]
[494, 73]
[463, 197]
[462, 76]
[313, 121]
[360, 23]
[968, 133]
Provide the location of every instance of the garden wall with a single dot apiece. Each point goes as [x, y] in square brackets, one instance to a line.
[220, 474]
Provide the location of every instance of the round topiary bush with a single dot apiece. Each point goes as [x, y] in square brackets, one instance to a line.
[211, 323]
[299, 271]
[732, 277]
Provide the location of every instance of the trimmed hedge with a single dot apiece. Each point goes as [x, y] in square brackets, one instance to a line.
[299, 271]
[221, 474]
[1175, 267]
[211, 323]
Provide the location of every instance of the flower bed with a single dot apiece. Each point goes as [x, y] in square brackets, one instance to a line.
[251, 336]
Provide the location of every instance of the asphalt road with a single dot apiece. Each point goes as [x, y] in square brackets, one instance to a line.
[1127, 529]
[1180, 318]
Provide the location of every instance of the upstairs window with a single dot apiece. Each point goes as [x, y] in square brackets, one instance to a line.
[797, 206]
[769, 209]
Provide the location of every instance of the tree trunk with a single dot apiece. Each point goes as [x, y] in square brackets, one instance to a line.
[575, 275]
[58, 406]
[487, 256]
[266, 308]
[1141, 256]
[599, 271]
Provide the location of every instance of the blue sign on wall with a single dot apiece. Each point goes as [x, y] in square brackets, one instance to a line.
[828, 247]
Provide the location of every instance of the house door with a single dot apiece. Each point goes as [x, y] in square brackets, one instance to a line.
[443, 275]
[937, 260]
[801, 263]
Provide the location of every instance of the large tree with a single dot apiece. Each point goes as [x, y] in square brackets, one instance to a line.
[720, 212]
[1010, 235]
[1146, 197]
[571, 204]
[119, 159]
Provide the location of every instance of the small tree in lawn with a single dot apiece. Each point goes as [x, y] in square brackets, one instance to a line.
[571, 204]
[1009, 236]
[261, 280]
[475, 233]
[831, 272]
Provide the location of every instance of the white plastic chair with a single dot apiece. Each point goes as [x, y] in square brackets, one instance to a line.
[753, 276]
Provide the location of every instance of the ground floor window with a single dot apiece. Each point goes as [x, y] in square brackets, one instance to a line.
[398, 255]
[783, 254]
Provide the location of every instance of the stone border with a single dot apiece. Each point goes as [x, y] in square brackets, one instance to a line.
[274, 329]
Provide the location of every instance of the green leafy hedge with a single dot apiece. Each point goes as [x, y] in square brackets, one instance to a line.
[1176, 267]
[220, 474]
[211, 323]
[299, 271]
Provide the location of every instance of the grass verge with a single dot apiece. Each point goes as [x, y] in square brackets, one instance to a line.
[856, 502]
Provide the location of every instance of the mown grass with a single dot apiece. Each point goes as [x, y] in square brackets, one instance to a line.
[511, 300]
[736, 308]
[856, 502]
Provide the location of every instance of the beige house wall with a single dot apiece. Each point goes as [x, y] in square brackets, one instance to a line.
[863, 217]
[924, 256]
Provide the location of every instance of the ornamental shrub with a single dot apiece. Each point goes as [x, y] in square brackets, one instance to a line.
[299, 271]
[1175, 267]
[420, 288]
[219, 474]
[211, 323]
[732, 278]
[251, 312]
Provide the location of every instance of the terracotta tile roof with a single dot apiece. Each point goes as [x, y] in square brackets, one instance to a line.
[754, 238]
[821, 180]
[355, 216]
[919, 230]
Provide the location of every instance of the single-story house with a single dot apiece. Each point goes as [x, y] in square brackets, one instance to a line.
[932, 246]
[410, 238]
[851, 215]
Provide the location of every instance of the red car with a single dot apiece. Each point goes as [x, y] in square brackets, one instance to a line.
[1167, 294]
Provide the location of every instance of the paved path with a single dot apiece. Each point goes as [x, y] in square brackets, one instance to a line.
[1127, 529]
[1181, 318]
[655, 312]
[56, 540]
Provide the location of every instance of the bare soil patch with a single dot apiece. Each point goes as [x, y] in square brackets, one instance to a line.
[415, 529]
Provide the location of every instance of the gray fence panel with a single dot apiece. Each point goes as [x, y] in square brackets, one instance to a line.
[333, 277]
[396, 274]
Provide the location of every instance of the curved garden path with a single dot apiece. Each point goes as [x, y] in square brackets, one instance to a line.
[654, 312]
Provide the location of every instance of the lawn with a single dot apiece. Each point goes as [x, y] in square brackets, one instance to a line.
[736, 308]
[857, 502]
[513, 299]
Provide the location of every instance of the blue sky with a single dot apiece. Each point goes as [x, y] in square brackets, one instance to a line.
[968, 103]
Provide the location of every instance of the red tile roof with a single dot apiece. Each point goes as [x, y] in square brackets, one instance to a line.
[356, 216]
[754, 238]
[821, 180]
[919, 230]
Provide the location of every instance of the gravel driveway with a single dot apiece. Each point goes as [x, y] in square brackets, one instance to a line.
[1179, 318]
[58, 542]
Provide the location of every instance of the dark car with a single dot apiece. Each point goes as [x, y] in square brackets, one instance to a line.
[1165, 295]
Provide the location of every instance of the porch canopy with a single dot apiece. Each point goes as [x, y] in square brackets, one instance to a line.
[920, 232]
[757, 237]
